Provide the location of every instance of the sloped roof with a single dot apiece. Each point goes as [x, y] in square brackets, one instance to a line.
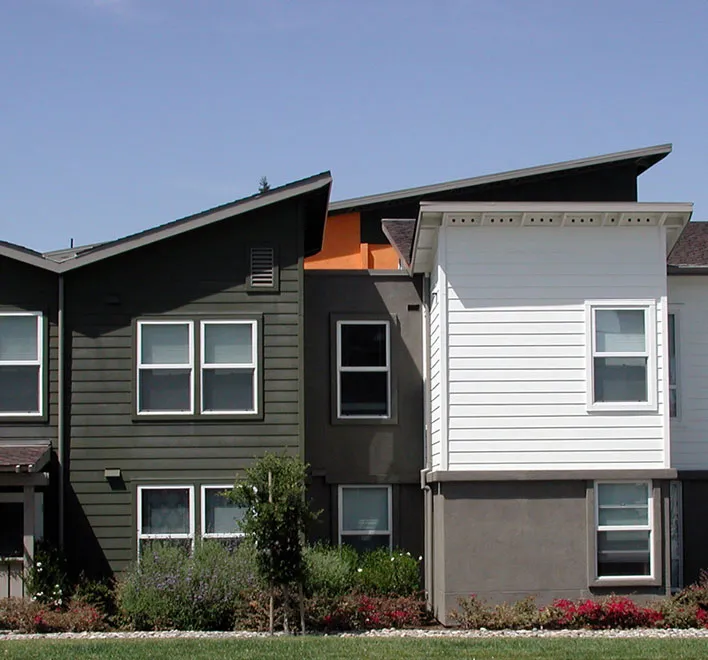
[400, 234]
[61, 261]
[691, 249]
[24, 458]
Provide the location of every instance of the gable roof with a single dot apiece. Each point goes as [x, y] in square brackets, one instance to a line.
[643, 158]
[400, 234]
[691, 250]
[61, 261]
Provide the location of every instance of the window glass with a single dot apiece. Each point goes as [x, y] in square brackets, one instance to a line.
[623, 553]
[228, 343]
[165, 511]
[621, 379]
[363, 345]
[165, 390]
[620, 331]
[222, 515]
[19, 389]
[364, 393]
[673, 386]
[365, 509]
[18, 338]
[227, 390]
[165, 343]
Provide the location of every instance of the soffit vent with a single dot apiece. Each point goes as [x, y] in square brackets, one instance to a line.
[262, 267]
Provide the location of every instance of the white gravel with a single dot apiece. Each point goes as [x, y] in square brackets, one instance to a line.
[454, 633]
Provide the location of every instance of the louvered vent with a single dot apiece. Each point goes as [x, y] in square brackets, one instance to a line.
[262, 268]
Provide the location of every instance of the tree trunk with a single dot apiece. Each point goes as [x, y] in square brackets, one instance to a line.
[301, 596]
[286, 603]
[270, 611]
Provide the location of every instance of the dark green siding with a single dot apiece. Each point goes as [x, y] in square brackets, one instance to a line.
[203, 272]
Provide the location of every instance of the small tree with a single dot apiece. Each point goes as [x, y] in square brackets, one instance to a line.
[263, 185]
[276, 516]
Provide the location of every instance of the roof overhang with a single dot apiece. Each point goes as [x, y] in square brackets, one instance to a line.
[23, 459]
[584, 216]
[643, 158]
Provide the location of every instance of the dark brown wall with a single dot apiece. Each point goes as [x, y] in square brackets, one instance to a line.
[695, 528]
[201, 272]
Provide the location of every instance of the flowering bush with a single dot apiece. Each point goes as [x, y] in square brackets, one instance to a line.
[47, 579]
[384, 573]
[360, 612]
[29, 616]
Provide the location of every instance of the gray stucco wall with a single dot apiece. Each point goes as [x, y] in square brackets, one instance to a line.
[507, 540]
[200, 273]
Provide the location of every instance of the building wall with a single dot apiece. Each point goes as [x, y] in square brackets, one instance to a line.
[365, 451]
[437, 374]
[695, 530]
[517, 356]
[202, 272]
[688, 299]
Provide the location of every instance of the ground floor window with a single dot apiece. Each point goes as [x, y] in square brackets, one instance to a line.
[365, 517]
[623, 519]
[12, 534]
[165, 514]
[221, 517]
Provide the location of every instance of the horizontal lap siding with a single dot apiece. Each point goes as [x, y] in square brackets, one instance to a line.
[688, 298]
[202, 273]
[517, 356]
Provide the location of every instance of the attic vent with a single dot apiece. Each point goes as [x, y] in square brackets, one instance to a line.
[262, 268]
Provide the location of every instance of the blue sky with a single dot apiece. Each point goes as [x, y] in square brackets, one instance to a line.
[117, 115]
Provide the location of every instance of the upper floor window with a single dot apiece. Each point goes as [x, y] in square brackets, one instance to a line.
[673, 367]
[223, 354]
[363, 369]
[21, 353]
[622, 357]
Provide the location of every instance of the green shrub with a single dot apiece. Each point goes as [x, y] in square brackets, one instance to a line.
[98, 593]
[171, 589]
[46, 580]
[384, 573]
[330, 571]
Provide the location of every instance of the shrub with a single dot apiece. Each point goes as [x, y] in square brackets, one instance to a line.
[98, 593]
[29, 616]
[384, 573]
[171, 589]
[360, 612]
[330, 571]
[47, 579]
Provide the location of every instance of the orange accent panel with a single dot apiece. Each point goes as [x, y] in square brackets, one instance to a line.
[383, 257]
[341, 248]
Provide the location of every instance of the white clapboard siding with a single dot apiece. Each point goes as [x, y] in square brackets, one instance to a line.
[688, 299]
[517, 383]
[436, 413]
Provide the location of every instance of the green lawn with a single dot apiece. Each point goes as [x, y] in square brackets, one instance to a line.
[355, 648]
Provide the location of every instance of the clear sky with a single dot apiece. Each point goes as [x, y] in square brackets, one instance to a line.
[118, 115]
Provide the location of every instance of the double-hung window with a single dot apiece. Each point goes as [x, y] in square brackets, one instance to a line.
[673, 367]
[228, 367]
[165, 515]
[165, 367]
[21, 349]
[365, 517]
[624, 530]
[622, 357]
[363, 369]
[221, 517]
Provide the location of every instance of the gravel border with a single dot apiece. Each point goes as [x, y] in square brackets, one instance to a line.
[657, 633]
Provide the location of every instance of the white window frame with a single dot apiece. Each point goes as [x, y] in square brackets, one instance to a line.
[140, 367]
[341, 369]
[215, 535]
[252, 365]
[676, 386]
[340, 510]
[649, 527]
[39, 362]
[165, 537]
[650, 353]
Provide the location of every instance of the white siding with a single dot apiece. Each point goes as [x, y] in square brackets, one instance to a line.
[435, 373]
[517, 356]
[688, 297]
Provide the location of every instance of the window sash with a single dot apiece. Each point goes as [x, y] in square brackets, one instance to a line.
[186, 366]
[363, 369]
[38, 362]
[215, 535]
[648, 528]
[156, 537]
[363, 532]
[239, 366]
[672, 336]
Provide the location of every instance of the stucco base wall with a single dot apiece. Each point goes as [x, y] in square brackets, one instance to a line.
[507, 540]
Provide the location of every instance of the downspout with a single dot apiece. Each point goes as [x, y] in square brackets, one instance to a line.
[60, 409]
[427, 492]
